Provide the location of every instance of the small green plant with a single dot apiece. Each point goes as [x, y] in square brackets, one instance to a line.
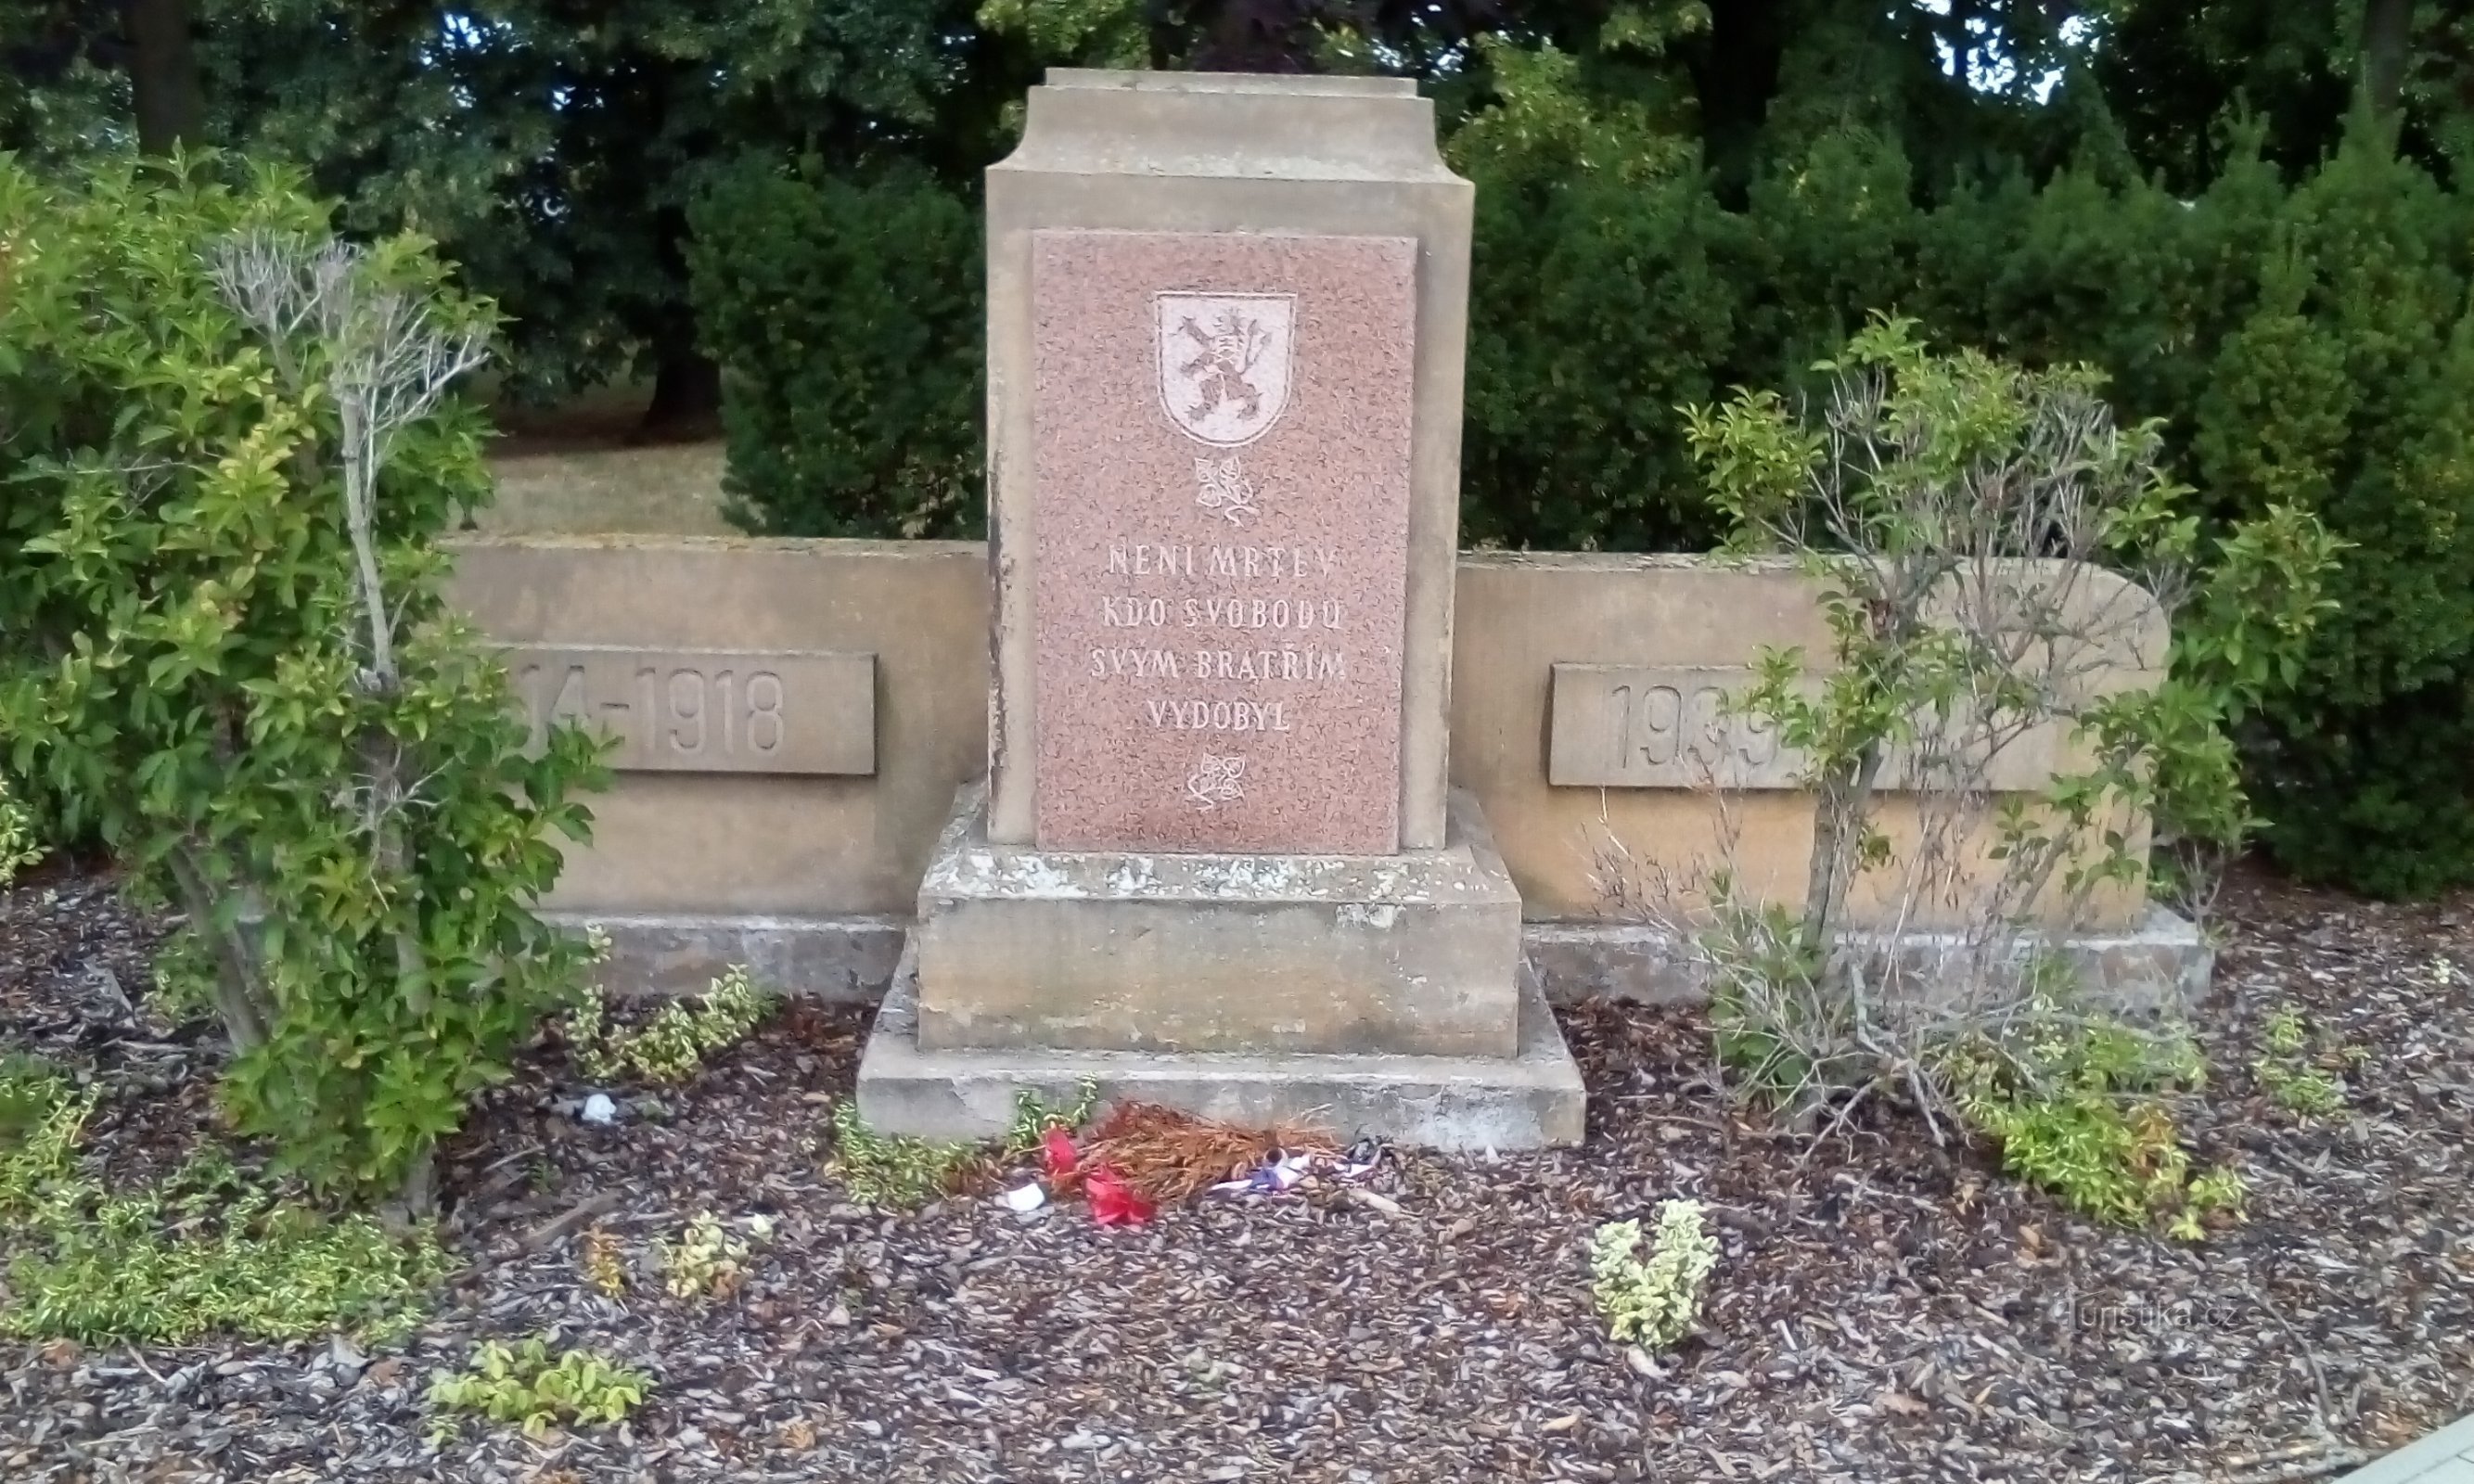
[525, 1386]
[706, 1261]
[605, 1265]
[2077, 1102]
[1033, 1118]
[1653, 1303]
[671, 1047]
[891, 1171]
[18, 846]
[203, 1251]
[2287, 1071]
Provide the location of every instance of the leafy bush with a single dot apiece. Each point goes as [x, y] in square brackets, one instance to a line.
[847, 321]
[2344, 391]
[1032, 1117]
[706, 1261]
[892, 1169]
[2307, 345]
[1653, 1303]
[1954, 511]
[670, 1047]
[525, 1386]
[230, 448]
[18, 846]
[207, 1252]
[2075, 1102]
[2291, 1070]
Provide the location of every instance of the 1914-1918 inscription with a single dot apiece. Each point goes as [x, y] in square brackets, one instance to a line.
[708, 710]
[1222, 432]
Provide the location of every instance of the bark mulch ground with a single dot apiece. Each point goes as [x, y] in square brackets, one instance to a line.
[1884, 1309]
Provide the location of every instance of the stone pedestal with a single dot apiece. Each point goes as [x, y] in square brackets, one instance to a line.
[1531, 1100]
[1094, 950]
[1377, 995]
[1217, 861]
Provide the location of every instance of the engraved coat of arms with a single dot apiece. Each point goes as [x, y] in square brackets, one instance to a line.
[1224, 362]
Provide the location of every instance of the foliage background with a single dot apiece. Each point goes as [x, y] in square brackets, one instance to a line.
[2252, 214]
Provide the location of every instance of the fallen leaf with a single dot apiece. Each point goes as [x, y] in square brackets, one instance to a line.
[1372, 1201]
[1893, 1400]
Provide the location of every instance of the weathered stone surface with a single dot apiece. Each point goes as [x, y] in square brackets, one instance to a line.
[1283, 173]
[761, 844]
[2165, 964]
[1530, 1100]
[1522, 614]
[1223, 427]
[1414, 953]
[708, 711]
[2161, 965]
[842, 958]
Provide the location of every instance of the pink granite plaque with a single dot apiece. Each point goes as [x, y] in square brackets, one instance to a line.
[1220, 532]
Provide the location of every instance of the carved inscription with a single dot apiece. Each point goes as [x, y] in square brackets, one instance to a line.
[1221, 539]
[1678, 726]
[708, 710]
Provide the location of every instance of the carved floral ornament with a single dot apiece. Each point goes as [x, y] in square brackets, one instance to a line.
[1215, 781]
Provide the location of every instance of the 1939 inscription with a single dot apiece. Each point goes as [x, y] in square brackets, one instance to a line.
[1683, 726]
[708, 710]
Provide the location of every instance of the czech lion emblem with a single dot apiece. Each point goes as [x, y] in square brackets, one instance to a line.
[1224, 362]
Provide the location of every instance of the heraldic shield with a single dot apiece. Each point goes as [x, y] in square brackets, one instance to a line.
[1225, 363]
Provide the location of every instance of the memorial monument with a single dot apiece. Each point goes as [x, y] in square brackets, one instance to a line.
[1217, 861]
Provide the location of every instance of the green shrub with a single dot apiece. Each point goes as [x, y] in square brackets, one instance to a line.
[205, 1252]
[890, 1170]
[1652, 1303]
[706, 1261]
[2290, 1067]
[2308, 346]
[228, 448]
[2345, 391]
[2076, 1102]
[847, 320]
[670, 1047]
[1034, 1117]
[18, 846]
[526, 1387]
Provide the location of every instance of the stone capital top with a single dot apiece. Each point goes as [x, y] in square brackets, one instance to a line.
[1288, 84]
[1229, 126]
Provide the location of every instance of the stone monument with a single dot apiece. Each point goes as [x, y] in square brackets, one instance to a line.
[1217, 861]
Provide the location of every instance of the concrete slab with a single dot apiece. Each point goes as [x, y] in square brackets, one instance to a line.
[2445, 1457]
[1534, 1100]
[836, 959]
[2161, 967]
[850, 958]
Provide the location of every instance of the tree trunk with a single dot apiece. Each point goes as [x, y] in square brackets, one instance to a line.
[240, 995]
[164, 74]
[2387, 35]
[687, 399]
[1734, 76]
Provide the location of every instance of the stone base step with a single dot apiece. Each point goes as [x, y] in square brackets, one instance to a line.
[1529, 1101]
